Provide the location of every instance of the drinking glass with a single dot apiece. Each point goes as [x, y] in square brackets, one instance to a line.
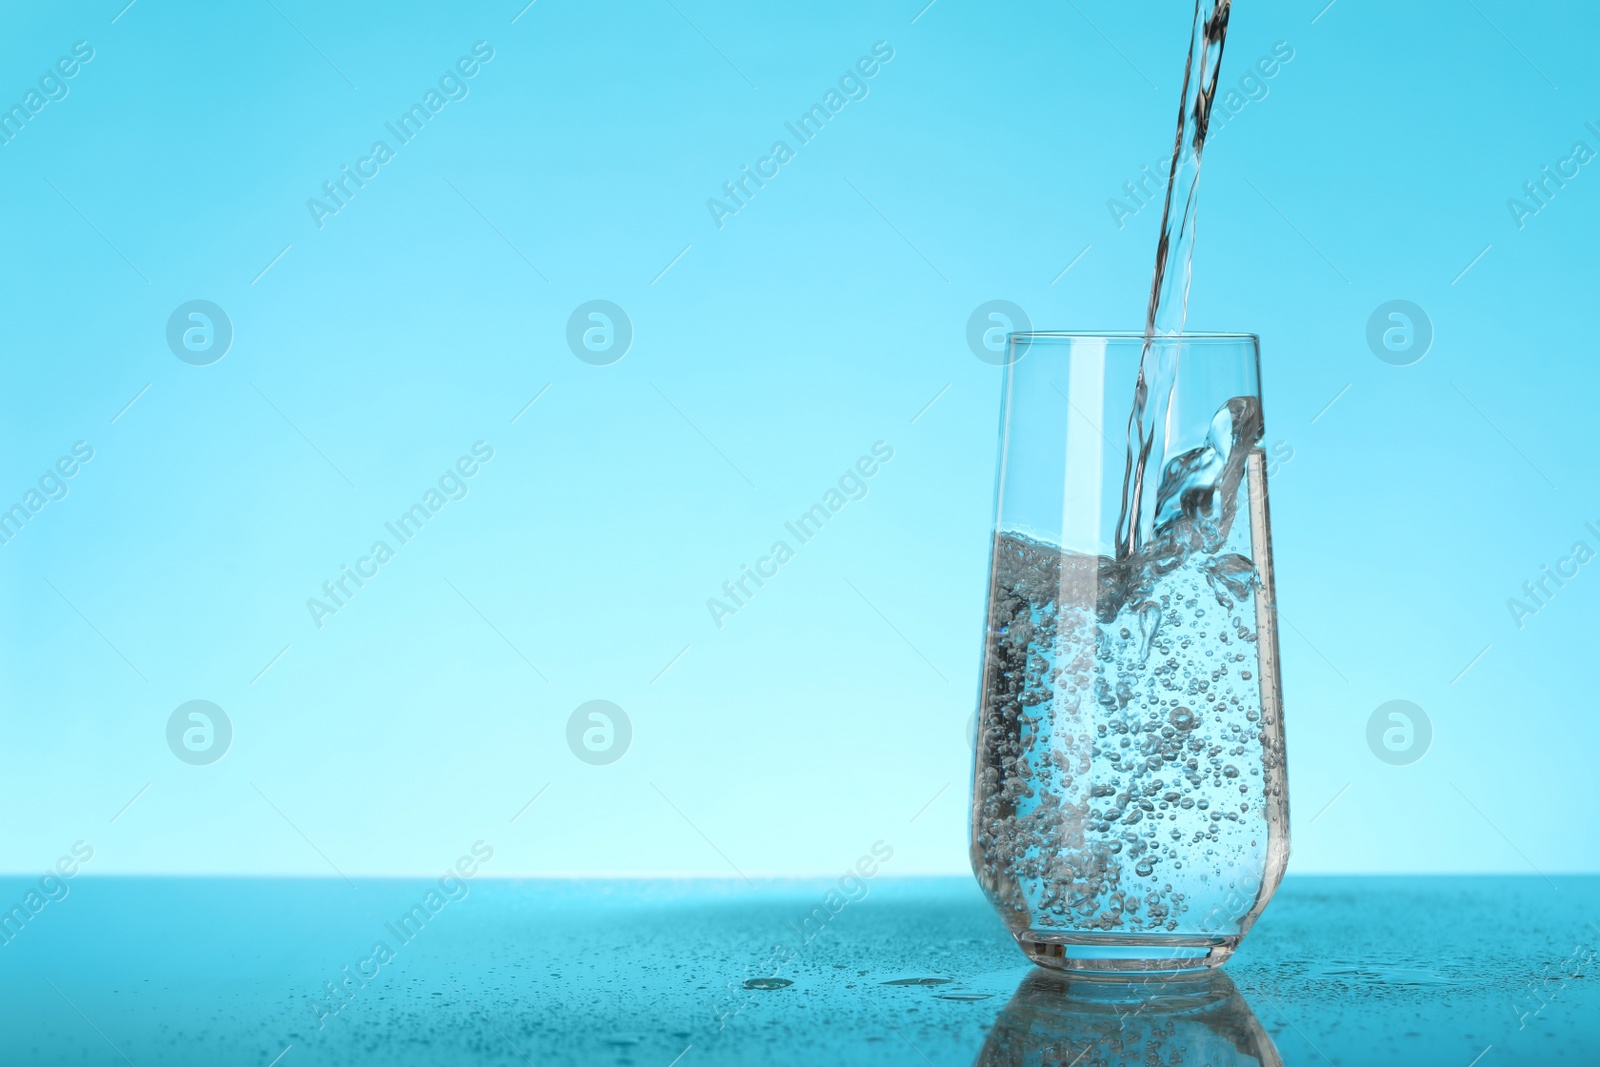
[1129, 802]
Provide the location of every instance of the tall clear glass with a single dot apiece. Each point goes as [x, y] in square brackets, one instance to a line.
[1129, 802]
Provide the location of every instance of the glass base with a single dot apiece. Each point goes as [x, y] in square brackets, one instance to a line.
[1089, 955]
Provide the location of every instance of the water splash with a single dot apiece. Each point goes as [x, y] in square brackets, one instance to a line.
[1169, 288]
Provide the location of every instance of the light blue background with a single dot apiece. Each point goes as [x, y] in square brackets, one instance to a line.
[824, 317]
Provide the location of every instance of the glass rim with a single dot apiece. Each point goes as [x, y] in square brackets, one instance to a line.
[1204, 336]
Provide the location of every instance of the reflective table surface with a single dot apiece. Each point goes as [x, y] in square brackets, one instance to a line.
[1458, 971]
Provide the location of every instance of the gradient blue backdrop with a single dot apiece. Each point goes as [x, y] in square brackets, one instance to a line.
[832, 711]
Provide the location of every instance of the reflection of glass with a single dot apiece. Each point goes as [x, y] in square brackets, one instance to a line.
[1129, 807]
[1201, 1021]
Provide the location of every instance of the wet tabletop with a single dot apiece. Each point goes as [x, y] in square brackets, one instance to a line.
[1452, 971]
